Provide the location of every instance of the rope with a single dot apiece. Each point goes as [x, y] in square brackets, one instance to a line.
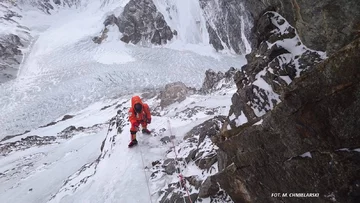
[142, 159]
[146, 178]
[181, 177]
[108, 130]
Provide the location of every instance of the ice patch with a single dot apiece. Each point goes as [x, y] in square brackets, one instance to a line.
[344, 149]
[241, 119]
[286, 79]
[349, 150]
[232, 116]
[306, 154]
[259, 122]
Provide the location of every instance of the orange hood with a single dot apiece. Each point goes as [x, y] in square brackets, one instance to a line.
[135, 100]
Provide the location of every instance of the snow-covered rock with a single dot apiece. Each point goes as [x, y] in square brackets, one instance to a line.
[14, 38]
[49, 6]
[140, 22]
[296, 145]
[174, 92]
[228, 24]
[216, 81]
[278, 59]
[197, 160]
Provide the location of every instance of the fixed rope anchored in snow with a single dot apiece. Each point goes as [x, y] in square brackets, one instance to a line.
[181, 177]
[108, 130]
[147, 183]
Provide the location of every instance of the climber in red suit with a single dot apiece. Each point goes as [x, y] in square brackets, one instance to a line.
[139, 114]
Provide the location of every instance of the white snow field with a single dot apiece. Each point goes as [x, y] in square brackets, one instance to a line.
[64, 70]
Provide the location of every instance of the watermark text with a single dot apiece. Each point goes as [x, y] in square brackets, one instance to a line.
[295, 194]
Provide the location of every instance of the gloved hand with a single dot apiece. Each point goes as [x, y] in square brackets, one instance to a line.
[148, 121]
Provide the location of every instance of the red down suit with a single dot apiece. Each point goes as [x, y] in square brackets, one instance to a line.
[139, 114]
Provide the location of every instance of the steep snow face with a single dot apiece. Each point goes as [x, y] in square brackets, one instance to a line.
[186, 18]
[65, 71]
[228, 24]
[86, 155]
[21, 21]
[219, 24]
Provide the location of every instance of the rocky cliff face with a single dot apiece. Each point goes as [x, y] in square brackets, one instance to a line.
[279, 58]
[139, 22]
[323, 25]
[216, 81]
[308, 143]
[47, 6]
[198, 151]
[293, 118]
[174, 92]
[227, 24]
[11, 56]
[13, 37]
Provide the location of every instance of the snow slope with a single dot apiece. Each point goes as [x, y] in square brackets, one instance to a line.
[65, 71]
[93, 164]
[77, 158]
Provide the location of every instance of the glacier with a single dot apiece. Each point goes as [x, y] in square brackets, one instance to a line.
[64, 71]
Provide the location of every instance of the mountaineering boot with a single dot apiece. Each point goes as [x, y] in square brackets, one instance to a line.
[133, 143]
[146, 131]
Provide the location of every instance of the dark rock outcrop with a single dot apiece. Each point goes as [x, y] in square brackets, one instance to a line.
[25, 143]
[227, 24]
[173, 196]
[169, 166]
[209, 128]
[174, 92]
[197, 149]
[140, 22]
[165, 140]
[10, 56]
[208, 188]
[278, 58]
[66, 117]
[189, 113]
[102, 37]
[13, 38]
[71, 131]
[12, 136]
[323, 25]
[215, 81]
[200, 138]
[47, 6]
[299, 147]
